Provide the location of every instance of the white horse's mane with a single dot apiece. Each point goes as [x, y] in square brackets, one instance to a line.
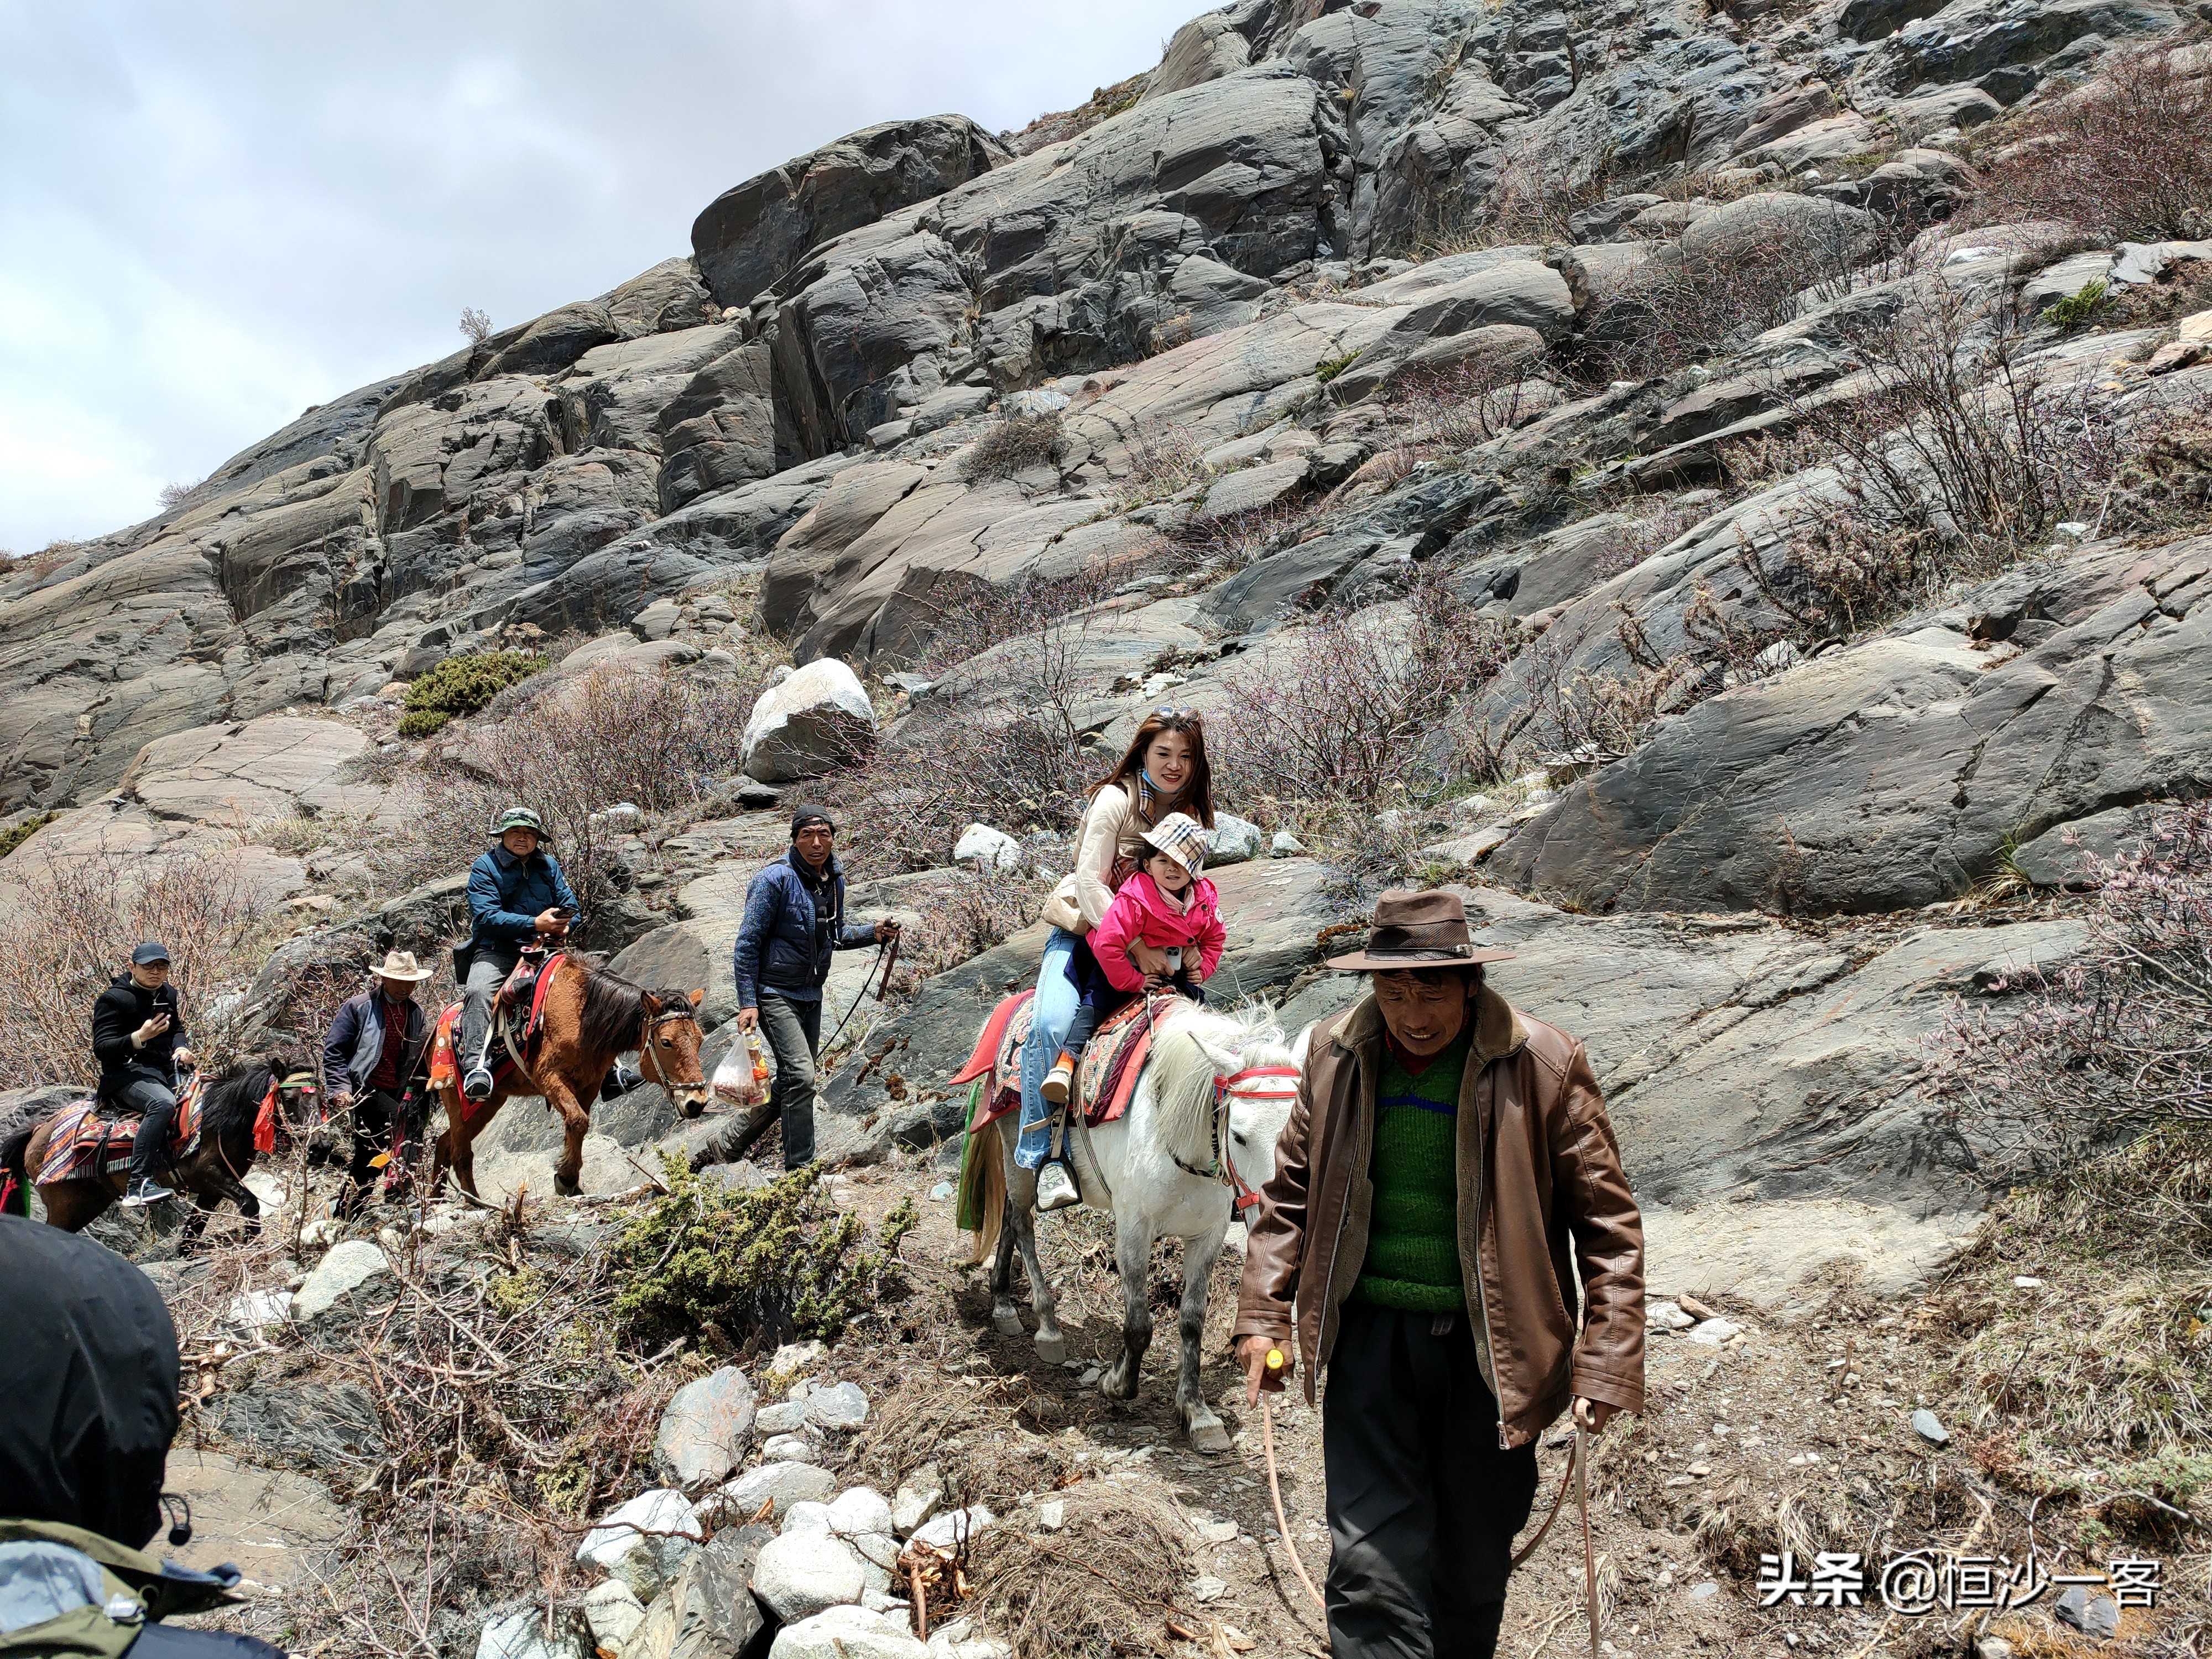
[1182, 1072]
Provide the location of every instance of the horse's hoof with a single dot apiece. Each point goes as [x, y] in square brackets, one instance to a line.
[1209, 1437]
[1006, 1324]
[1051, 1349]
[567, 1188]
[1115, 1386]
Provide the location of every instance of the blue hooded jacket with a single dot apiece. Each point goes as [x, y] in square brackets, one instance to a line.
[506, 894]
[785, 943]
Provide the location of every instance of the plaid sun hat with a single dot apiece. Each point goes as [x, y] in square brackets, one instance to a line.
[1182, 838]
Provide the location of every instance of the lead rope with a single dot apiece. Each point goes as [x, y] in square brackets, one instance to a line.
[1275, 1490]
[1576, 1472]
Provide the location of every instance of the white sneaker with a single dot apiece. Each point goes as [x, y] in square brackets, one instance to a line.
[1056, 1188]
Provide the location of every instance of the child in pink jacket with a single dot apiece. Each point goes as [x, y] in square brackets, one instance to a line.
[1168, 905]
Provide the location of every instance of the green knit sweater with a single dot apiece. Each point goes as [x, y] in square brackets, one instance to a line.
[1412, 1238]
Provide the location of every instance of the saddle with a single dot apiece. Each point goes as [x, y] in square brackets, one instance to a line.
[84, 1146]
[1105, 1083]
[514, 1042]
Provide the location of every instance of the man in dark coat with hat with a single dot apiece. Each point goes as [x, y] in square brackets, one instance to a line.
[137, 1034]
[376, 1066]
[794, 923]
[1447, 1170]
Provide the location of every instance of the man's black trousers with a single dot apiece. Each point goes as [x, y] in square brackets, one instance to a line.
[1423, 1506]
[377, 1113]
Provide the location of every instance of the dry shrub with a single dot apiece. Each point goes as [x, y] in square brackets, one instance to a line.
[2164, 484]
[985, 616]
[1959, 440]
[2111, 1044]
[1013, 444]
[1228, 542]
[1110, 1572]
[570, 749]
[73, 923]
[1164, 460]
[1340, 710]
[975, 911]
[1686, 305]
[985, 1436]
[2124, 156]
[1460, 406]
[1578, 712]
[1008, 751]
[1535, 199]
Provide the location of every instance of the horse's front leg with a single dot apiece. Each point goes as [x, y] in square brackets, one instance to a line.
[576, 1123]
[1133, 1255]
[195, 1223]
[1198, 1255]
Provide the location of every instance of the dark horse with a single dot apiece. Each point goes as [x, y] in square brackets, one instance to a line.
[229, 1109]
[593, 1017]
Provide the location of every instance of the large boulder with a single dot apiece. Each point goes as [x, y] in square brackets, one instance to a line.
[705, 1430]
[752, 234]
[342, 1281]
[709, 1611]
[643, 1543]
[1901, 771]
[817, 719]
[806, 1569]
[847, 1633]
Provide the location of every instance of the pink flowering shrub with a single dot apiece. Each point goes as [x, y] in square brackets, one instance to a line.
[2116, 1041]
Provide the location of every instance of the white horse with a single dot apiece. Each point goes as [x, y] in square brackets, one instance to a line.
[1200, 1131]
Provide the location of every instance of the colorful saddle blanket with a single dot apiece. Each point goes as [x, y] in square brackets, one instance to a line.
[84, 1144]
[1105, 1083]
[446, 1061]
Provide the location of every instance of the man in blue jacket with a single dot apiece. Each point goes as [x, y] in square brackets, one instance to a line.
[794, 921]
[517, 894]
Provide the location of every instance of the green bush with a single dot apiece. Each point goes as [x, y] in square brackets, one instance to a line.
[11, 839]
[1329, 367]
[2077, 309]
[462, 685]
[778, 1259]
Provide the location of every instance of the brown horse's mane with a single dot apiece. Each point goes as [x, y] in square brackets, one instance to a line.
[613, 1020]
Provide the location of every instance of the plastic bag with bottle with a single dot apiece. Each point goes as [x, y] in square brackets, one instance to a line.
[742, 1077]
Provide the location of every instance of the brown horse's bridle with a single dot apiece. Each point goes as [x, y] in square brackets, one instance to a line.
[645, 1049]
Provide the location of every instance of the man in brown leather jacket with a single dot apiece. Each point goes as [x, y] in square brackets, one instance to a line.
[1446, 1157]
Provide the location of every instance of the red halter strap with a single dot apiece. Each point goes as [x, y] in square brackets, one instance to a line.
[1225, 1087]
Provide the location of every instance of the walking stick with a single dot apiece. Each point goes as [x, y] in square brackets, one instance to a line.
[890, 961]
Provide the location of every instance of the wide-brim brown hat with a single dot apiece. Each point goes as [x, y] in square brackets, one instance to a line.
[400, 964]
[1418, 929]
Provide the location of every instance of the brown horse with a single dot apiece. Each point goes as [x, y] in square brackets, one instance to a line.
[213, 1172]
[592, 1017]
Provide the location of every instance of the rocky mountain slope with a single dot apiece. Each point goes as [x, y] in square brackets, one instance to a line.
[1732, 489]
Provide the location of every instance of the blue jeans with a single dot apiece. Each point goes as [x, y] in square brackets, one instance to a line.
[155, 1099]
[1052, 1014]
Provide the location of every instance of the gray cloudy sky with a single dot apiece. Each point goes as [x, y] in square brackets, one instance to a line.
[214, 215]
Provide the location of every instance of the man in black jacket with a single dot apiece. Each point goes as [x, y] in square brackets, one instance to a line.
[374, 1061]
[138, 1037]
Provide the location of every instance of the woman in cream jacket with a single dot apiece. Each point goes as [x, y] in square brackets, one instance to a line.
[1164, 771]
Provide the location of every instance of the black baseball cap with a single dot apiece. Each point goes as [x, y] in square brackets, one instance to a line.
[806, 815]
[147, 954]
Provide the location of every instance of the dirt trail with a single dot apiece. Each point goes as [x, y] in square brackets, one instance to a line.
[1795, 1434]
